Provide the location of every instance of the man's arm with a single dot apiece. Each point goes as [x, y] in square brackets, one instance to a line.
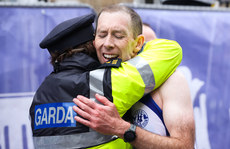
[178, 117]
[177, 110]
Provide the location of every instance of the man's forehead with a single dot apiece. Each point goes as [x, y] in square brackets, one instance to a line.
[110, 16]
[116, 20]
[114, 28]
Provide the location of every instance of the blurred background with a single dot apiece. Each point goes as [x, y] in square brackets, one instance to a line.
[201, 27]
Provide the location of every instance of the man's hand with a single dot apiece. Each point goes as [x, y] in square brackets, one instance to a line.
[103, 118]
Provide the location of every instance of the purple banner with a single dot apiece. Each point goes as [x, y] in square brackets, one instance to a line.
[23, 63]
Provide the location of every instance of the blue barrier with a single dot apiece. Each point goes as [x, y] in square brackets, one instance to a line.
[23, 63]
[205, 43]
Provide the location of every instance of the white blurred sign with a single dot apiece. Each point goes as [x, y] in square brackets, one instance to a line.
[15, 130]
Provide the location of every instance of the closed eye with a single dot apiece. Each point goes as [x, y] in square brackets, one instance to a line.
[119, 35]
[102, 34]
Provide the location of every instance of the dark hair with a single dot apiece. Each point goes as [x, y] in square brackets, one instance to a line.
[86, 48]
[136, 21]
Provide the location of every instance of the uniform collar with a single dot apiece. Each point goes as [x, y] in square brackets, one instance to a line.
[77, 61]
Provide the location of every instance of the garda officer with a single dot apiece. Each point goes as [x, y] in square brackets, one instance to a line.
[76, 71]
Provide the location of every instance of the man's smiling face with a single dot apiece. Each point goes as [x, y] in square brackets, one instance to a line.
[114, 37]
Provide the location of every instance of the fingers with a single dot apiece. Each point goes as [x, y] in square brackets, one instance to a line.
[103, 100]
[82, 121]
[86, 101]
[89, 109]
[85, 107]
[81, 112]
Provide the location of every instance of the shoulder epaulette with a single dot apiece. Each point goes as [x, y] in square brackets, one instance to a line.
[112, 63]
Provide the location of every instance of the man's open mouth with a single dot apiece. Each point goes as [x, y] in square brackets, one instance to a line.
[110, 56]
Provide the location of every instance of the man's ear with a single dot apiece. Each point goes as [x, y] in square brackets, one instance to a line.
[94, 42]
[140, 41]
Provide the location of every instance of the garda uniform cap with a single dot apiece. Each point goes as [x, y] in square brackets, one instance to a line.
[69, 34]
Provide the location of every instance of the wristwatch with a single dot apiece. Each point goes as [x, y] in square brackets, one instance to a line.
[130, 134]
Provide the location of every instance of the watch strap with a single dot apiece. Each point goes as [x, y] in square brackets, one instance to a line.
[130, 134]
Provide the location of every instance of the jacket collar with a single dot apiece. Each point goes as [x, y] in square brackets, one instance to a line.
[77, 61]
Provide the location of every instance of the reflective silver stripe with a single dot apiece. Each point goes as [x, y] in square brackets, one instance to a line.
[145, 71]
[96, 86]
[80, 140]
[96, 82]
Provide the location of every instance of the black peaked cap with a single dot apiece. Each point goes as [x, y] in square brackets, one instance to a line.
[69, 34]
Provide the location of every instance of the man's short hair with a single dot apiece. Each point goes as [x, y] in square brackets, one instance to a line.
[136, 21]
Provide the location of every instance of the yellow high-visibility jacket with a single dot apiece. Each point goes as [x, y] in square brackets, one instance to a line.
[135, 78]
